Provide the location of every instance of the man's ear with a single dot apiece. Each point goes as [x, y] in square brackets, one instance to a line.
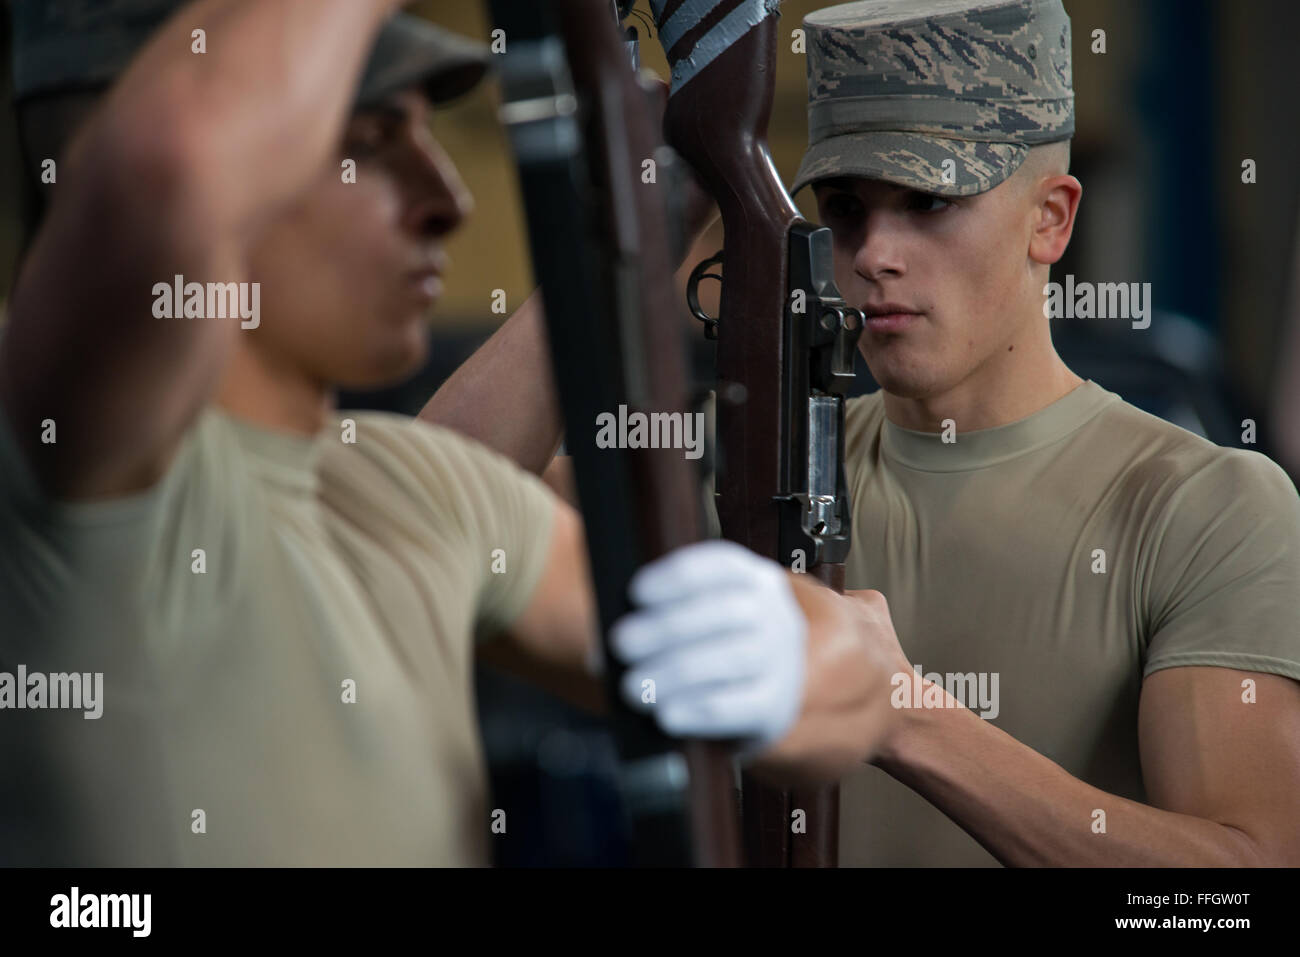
[1057, 199]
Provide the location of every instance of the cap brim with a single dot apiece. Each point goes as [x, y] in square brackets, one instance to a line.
[913, 160]
[410, 52]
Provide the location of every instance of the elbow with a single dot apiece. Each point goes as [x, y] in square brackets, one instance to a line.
[1250, 850]
[152, 156]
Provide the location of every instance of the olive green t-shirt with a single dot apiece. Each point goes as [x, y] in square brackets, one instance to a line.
[1071, 553]
[285, 627]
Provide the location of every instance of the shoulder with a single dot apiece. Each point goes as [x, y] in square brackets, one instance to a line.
[864, 408]
[1213, 520]
[434, 465]
[1218, 484]
[1186, 465]
[863, 416]
[396, 442]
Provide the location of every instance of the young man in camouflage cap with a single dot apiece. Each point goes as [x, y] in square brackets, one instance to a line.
[1116, 597]
[272, 608]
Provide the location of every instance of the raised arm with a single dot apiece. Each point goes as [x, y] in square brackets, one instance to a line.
[175, 174]
[504, 394]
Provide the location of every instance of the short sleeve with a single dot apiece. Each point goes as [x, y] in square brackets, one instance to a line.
[507, 516]
[517, 516]
[1224, 581]
[857, 419]
[862, 418]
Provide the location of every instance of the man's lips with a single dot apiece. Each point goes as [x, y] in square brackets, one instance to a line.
[889, 316]
[426, 276]
[427, 283]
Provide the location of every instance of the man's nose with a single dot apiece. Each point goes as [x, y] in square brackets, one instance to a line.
[439, 200]
[880, 253]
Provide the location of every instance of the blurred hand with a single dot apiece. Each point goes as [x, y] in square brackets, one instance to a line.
[719, 633]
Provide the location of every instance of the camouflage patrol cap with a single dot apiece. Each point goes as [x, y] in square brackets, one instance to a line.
[898, 87]
[65, 45]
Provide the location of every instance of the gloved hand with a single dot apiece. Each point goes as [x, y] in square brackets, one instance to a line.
[718, 631]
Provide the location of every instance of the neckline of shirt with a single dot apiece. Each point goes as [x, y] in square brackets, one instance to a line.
[289, 458]
[927, 452]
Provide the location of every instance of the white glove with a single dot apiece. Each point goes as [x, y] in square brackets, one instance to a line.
[718, 631]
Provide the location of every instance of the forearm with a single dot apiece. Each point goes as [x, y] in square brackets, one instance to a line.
[575, 684]
[504, 394]
[1028, 811]
[259, 112]
[846, 712]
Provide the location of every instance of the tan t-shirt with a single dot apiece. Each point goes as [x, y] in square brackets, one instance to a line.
[285, 628]
[990, 552]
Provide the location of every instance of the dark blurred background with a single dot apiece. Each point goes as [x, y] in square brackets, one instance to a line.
[1185, 92]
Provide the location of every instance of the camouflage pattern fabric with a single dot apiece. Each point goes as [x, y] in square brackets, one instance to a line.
[944, 96]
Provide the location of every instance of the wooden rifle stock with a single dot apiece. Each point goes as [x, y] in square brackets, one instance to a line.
[782, 370]
[581, 127]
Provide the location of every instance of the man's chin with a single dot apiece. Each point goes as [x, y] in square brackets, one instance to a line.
[905, 380]
[390, 369]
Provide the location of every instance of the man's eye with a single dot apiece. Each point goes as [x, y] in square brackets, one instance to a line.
[842, 206]
[927, 203]
[368, 137]
[363, 143]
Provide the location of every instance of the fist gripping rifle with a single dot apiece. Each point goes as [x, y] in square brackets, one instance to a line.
[581, 128]
[786, 340]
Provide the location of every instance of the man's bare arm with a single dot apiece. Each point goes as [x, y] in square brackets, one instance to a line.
[504, 394]
[549, 643]
[1221, 776]
[175, 174]
[846, 710]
